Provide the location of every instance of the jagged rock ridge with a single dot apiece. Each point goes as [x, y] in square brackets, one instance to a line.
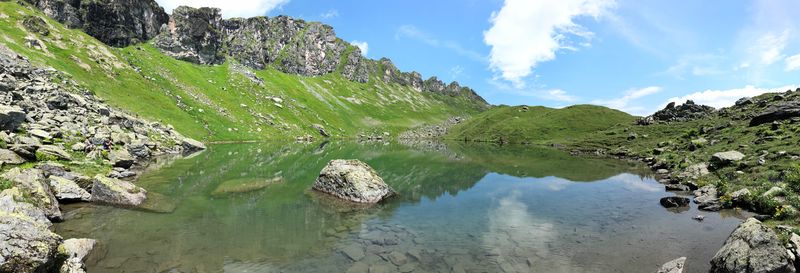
[114, 22]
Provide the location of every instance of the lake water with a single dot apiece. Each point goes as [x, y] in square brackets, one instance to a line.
[460, 208]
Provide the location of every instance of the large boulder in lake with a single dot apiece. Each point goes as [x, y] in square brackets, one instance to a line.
[117, 192]
[752, 247]
[26, 243]
[352, 180]
[674, 202]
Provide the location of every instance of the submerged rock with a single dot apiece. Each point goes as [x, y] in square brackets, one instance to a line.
[117, 192]
[752, 247]
[352, 180]
[674, 266]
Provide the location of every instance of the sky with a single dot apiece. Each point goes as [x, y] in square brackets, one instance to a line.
[631, 55]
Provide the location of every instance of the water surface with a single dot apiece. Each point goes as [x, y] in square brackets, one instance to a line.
[460, 208]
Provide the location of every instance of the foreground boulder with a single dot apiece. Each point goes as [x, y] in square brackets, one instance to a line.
[11, 117]
[674, 266]
[752, 247]
[32, 183]
[352, 180]
[26, 243]
[117, 192]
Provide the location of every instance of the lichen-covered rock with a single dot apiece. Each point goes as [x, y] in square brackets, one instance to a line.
[114, 22]
[752, 247]
[9, 157]
[75, 251]
[54, 151]
[33, 184]
[121, 158]
[723, 159]
[193, 35]
[117, 192]
[67, 190]
[352, 180]
[26, 243]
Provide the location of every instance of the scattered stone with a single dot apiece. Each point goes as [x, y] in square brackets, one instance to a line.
[752, 247]
[398, 258]
[55, 151]
[354, 252]
[674, 266]
[699, 217]
[121, 158]
[740, 195]
[117, 192]
[8, 157]
[11, 117]
[352, 180]
[676, 187]
[723, 159]
[40, 134]
[674, 202]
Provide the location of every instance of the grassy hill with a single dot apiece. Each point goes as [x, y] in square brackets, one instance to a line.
[523, 124]
[227, 102]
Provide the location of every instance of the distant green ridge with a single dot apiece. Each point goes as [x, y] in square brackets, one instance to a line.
[537, 124]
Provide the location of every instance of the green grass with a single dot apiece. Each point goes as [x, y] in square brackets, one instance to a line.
[221, 103]
[5, 184]
[538, 124]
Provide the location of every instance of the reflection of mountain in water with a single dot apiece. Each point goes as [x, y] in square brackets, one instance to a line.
[251, 203]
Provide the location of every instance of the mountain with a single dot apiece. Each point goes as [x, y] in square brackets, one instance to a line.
[223, 80]
[537, 124]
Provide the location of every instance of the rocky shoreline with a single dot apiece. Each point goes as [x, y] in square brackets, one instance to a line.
[61, 144]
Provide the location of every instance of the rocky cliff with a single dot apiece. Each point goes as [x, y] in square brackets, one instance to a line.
[201, 36]
[115, 22]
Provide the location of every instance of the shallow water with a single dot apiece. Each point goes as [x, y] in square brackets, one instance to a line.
[464, 208]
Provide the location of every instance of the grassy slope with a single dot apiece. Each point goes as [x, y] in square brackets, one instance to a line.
[220, 103]
[538, 124]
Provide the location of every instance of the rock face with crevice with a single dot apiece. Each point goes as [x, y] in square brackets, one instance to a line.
[193, 35]
[114, 22]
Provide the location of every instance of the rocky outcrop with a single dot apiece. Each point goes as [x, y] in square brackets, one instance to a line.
[193, 35]
[114, 22]
[352, 180]
[752, 247]
[26, 243]
[117, 192]
[779, 111]
[684, 112]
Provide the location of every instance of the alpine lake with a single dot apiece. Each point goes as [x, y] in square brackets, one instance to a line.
[460, 208]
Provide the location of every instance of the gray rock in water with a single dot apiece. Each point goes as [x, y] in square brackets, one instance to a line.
[32, 183]
[321, 130]
[117, 192]
[190, 145]
[674, 266]
[674, 202]
[752, 247]
[26, 243]
[67, 190]
[10, 157]
[11, 117]
[352, 180]
[76, 251]
[723, 159]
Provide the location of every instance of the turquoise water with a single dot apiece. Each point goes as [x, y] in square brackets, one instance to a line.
[460, 208]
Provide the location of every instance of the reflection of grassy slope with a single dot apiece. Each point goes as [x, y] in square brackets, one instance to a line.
[220, 102]
[538, 124]
[531, 161]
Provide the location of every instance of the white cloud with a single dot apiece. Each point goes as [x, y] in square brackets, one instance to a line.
[456, 71]
[770, 46]
[417, 34]
[696, 65]
[363, 46]
[624, 103]
[726, 98]
[330, 14]
[560, 95]
[793, 63]
[230, 8]
[525, 33]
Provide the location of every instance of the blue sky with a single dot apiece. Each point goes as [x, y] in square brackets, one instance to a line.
[632, 55]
